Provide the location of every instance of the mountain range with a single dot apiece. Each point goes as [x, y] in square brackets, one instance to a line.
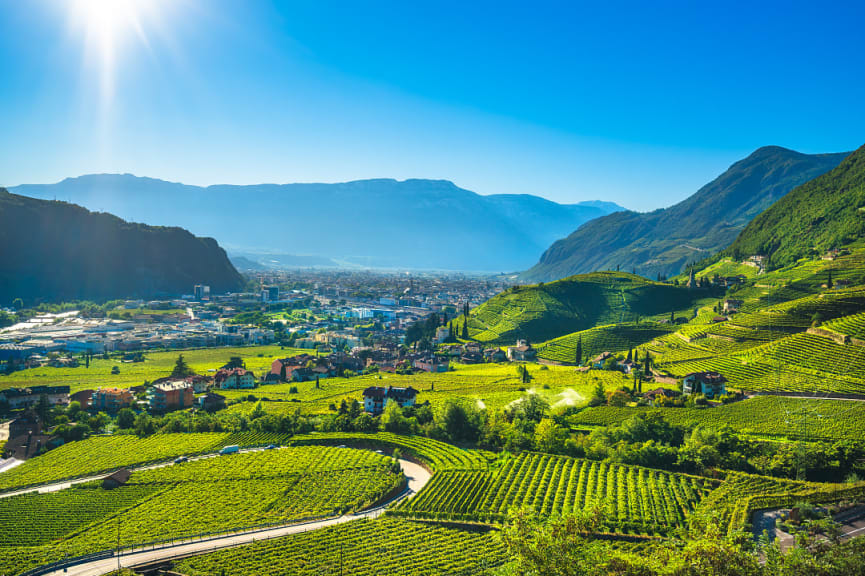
[825, 213]
[665, 241]
[58, 251]
[384, 223]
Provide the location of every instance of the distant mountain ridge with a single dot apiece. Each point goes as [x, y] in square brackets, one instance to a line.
[664, 241]
[58, 251]
[388, 223]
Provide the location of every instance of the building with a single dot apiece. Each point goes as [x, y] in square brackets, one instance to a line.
[233, 378]
[27, 423]
[522, 352]
[111, 400]
[375, 398]
[211, 402]
[18, 398]
[83, 397]
[710, 384]
[732, 305]
[168, 396]
[116, 479]
[29, 445]
[201, 292]
[431, 364]
[494, 355]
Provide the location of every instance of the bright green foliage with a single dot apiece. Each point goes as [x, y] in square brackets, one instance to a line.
[635, 499]
[765, 416]
[104, 453]
[439, 455]
[34, 519]
[361, 548]
[546, 311]
[819, 215]
[156, 365]
[610, 338]
[232, 492]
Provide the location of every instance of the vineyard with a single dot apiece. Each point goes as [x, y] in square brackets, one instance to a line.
[611, 338]
[636, 500]
[210, 495]
[764, 416]
[361, 548]
[438, 455]
[103, 453]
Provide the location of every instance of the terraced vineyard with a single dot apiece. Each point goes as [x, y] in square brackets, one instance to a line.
[439, 455]
[362, 548]
[636, 500]
[35, 519]
[853, 326]
[611, 338]
[765, 416]
[215, 494]
[102, 453]
[547, 311]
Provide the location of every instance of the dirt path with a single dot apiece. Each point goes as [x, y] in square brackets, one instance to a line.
[417, 477]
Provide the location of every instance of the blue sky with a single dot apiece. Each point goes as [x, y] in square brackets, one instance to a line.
[636, 102]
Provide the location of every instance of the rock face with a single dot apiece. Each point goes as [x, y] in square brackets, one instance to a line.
[55, 251]
[665, 241]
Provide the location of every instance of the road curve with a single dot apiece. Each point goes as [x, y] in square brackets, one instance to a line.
[416, 475]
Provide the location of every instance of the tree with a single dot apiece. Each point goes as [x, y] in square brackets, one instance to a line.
[235, 362]
[599, 396]
[125, 418]
[829, 283]
[549, 437]
[465, 334]
[43, 409]
[579, 354]
[283, 375]
[18, 304]
[181, 368]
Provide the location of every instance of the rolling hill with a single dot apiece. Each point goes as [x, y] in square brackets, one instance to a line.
[383, 223]
[545, 311]
[664, 241]
[58, 251]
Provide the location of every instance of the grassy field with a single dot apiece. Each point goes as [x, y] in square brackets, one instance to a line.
[489, 385]
[156, 365]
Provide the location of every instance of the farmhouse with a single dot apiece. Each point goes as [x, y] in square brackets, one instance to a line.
[732, 305]
[711, 384]
[375, 398]
[234, 378]
[211, 402]
[522, 352]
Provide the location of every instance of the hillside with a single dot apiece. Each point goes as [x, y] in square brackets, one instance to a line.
[665, 240]
[827, 212]
[384, 223]
[545, 311]
[60, 251]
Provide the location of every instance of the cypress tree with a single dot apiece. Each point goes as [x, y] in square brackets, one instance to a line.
[579, 354]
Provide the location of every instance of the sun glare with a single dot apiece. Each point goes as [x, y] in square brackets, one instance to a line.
[106, 26]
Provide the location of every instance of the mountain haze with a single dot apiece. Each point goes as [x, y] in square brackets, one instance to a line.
[59, 251]
[665, 240]
[412, 223]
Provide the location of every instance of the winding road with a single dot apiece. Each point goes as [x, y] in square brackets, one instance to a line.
[416, 475]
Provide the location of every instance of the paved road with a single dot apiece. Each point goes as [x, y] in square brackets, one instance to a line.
[417, 477]
[62, 485]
